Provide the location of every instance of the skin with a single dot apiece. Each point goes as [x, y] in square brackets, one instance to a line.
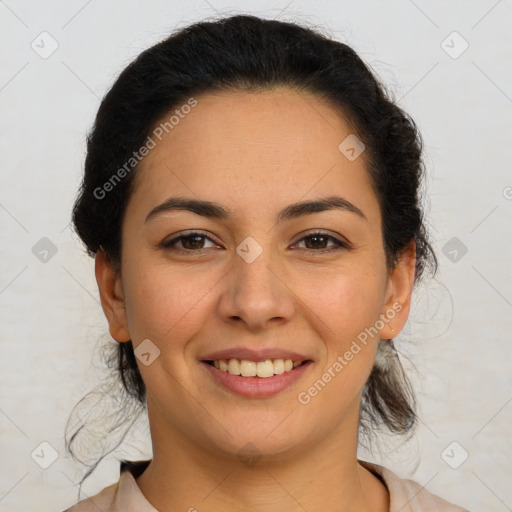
[256, 154]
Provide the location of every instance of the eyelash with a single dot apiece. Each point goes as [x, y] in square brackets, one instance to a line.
[170, 245]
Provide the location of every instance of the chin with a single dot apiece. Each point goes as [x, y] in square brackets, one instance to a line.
[262, 440]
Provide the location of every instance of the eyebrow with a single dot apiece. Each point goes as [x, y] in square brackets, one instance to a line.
[217, 211]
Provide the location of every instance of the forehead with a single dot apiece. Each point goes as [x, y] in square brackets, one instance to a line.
[271, 146]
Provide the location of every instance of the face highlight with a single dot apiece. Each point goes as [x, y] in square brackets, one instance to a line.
[248, 229]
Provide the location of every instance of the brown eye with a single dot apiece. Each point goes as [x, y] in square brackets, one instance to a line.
[192, 242]
[319, 239]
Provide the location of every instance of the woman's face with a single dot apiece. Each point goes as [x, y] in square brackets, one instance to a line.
[254, 284]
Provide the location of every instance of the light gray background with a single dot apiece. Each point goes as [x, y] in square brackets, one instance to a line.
[459, 332]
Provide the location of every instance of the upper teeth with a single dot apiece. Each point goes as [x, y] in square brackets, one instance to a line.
[245, 368]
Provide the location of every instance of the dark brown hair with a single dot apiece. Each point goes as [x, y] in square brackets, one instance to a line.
[248, 53]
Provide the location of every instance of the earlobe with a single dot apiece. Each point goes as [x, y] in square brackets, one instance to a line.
[111, 295]
[399, 291]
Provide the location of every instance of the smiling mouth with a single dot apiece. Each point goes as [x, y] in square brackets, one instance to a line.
[263, 369]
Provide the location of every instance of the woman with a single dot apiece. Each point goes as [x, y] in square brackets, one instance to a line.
[251, 197]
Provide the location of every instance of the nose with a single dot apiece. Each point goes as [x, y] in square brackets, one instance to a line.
[257, 293]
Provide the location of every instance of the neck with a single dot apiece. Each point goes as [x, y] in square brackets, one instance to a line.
[327, 476]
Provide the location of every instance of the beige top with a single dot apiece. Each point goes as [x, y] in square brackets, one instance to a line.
[125, 495]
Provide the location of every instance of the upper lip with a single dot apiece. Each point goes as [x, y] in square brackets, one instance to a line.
[254, 354]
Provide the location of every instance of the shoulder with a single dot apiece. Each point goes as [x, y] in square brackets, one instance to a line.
[122, 496]
[101, 502]
[409, 496]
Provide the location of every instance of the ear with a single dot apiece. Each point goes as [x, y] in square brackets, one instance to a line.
[398, 293]
[111, 295]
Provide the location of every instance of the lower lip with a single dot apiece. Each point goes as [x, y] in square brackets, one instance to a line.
[257, 387]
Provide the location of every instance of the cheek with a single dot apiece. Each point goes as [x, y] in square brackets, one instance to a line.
[346, 301]
[164, 303]
[349, 308]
